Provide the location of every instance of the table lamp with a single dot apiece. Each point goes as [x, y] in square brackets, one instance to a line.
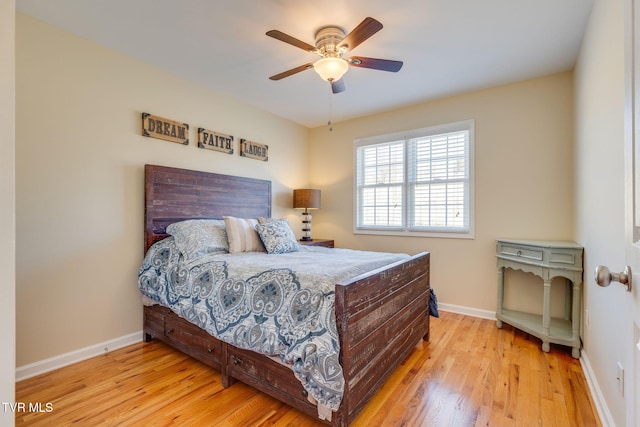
[306, 199]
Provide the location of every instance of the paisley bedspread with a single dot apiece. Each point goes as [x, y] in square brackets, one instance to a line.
[278, 305]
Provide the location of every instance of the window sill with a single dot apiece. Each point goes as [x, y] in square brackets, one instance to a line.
[402, 233]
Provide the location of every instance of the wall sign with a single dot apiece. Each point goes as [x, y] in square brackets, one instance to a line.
[161, 128]
[253, 150]
[215, 141]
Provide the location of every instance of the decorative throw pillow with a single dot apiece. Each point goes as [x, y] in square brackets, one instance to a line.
[262, 220]
[198, 237]
[277, 236]
[242, 235]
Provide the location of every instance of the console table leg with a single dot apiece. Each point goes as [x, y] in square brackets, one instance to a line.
[500, 295]
[575, 319]
[568, 299]
[546, 310]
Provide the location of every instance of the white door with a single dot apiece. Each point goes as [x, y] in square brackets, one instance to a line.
[632, 206]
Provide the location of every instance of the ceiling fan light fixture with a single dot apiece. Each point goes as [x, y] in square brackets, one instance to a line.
[331, 69]
[331, 43]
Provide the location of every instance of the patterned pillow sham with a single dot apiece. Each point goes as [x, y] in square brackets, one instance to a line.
[198, 237]
[262, 220]
[242, 235]
[277, 236]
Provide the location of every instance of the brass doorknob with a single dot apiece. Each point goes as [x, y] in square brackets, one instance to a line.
[604, 277]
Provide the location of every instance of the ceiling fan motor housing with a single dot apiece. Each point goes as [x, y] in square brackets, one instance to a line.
[327, 40]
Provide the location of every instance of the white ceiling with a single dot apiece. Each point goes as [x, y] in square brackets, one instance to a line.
[447, 46]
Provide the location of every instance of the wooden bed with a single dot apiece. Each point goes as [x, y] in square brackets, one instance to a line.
[381, 316]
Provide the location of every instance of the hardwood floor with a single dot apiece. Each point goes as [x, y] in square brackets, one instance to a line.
[469, 374]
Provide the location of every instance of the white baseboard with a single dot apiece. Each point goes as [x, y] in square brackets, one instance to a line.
[596, 393]
[37, 368]
[469, 311]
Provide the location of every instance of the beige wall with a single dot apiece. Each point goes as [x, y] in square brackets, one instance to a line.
[79, 180]
[599, 177]
[523, 180]
[7, 207]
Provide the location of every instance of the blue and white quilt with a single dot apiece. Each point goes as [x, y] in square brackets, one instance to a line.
[278, 305]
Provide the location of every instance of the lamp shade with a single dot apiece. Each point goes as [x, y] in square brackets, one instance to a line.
[331, 69]
[306, 199]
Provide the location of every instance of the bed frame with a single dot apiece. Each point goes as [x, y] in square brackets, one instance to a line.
[381, 315]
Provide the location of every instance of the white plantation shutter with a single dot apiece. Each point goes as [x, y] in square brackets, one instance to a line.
[438, 180]
[416, 183]
[380, 188]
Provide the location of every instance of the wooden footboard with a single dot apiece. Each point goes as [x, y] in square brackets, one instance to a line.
[381, 316]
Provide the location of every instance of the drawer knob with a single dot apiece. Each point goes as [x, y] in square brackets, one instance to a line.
[236, 361]
[519, 253]
[169, 331]
[604, 277]
[210, 350]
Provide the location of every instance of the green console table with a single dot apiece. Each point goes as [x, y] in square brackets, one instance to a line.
[545, 259]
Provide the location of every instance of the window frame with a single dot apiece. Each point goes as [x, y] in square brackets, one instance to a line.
[406, 136]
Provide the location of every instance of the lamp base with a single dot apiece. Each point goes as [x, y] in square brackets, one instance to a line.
[306, 239]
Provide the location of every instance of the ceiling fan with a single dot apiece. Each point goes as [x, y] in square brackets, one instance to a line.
[331, 43]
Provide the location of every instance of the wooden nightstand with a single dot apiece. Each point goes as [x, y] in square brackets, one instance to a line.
[317, 242]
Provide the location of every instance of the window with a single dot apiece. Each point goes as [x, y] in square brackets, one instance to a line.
[416, 183]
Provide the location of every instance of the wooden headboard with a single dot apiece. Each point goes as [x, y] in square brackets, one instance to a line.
[172, 194]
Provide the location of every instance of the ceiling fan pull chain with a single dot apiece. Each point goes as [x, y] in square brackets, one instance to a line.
[330, 109]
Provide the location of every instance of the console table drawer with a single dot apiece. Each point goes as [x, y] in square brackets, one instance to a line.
[566, 258]
[559, 255]
[520, 252]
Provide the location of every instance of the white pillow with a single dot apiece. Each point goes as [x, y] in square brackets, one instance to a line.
[198, 237]
[242, 235]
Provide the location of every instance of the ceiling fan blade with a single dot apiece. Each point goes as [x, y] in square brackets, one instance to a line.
[292, 71]
[279, 35]
[375, 63]
[363, 31]
[338, 86]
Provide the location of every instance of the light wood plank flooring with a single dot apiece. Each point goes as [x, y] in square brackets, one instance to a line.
[469, 374]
